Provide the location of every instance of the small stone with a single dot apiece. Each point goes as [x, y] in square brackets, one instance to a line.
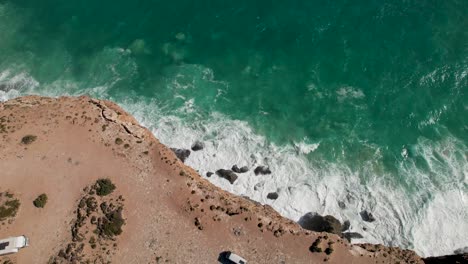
[262, 170]
[346, 225]
[367, 216]
[198, 145]
[243, 169]
[341, 204]
[273, 196]
[351, 235]
[181, 154]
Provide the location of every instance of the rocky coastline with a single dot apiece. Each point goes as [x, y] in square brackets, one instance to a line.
[164, 211]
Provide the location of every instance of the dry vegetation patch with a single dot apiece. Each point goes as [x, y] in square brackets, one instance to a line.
[9, 206]
[99, 220]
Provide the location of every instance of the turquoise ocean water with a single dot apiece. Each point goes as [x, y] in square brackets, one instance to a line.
[362, 102]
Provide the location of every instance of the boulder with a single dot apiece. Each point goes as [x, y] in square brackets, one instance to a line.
[262, 170]
[351, 235]
[182, 154]
[228, 175]
[367, 216]
[240, 170]
[198, 145]
[318, 223]
[346, 225]
[273, 196]
[208, 174]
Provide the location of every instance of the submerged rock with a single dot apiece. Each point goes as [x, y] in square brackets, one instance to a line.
[262, 170]
[351, 235]
[259, 185]
[341, 204]
[318, 223]
[367, 216]
[227, 174]
[273, 196]
[182, 154]
[236, 169]
[198, 145]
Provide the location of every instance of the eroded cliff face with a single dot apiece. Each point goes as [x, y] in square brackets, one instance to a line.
[170, 213]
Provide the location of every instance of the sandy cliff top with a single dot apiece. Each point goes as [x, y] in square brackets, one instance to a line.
[172, 215]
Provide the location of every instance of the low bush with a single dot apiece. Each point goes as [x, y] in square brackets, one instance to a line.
[28, 139]
[40, 201]
[9, 209]
[104, 187]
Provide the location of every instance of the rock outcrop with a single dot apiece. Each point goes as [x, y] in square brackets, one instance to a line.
[318, 223]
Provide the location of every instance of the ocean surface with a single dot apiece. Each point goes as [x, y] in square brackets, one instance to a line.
[355, 103]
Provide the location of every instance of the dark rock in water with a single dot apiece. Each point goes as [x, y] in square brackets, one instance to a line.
[346, 225]
[367, 216]
[460, 258]
[341, 204]
[351, 235]
[239, 170]
[227, 174]
[262, 170]
[461, 250]
[273, 196]
[182, 154]
[198, 145]
[208, 174]
[318, 223]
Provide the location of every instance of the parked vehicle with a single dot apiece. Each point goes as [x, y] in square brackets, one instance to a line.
[236, 258]
[13, 244]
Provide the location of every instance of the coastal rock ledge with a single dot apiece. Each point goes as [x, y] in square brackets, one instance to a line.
[154, 208]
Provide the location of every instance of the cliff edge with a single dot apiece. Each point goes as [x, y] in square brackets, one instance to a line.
[110, 192]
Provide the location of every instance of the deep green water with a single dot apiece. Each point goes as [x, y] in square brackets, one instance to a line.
[380, 86]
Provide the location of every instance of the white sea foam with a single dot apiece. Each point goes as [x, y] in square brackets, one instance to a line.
[302, 188]
[410, 220]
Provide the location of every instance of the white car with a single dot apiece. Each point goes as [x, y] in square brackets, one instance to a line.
[13, 244]
[236, 258]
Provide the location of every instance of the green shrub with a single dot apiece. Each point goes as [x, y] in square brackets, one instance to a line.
[40, 201]
[328, 251]
[28, 139]
[112, 225]
[118, 141]
[104, 187]
[9, 209]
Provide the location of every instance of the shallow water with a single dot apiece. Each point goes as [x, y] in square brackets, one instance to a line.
[364, 103]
